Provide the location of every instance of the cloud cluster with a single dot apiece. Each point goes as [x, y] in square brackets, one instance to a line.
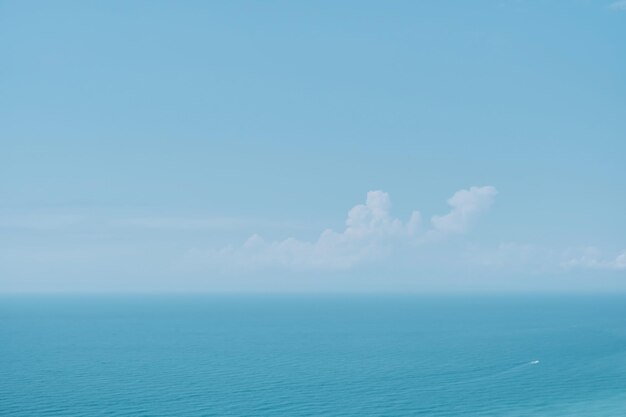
[371, 233]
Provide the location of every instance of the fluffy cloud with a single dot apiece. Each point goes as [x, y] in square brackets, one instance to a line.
[371, 233]
[591, 257]
[466, 206]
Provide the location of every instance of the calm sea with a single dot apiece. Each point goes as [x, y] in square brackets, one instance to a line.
[312, 356]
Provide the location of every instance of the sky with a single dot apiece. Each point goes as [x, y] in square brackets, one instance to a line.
[278, 146]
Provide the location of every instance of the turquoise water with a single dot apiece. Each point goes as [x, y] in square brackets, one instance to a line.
[310, 356]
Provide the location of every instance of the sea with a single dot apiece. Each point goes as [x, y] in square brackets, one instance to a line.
[312, 355]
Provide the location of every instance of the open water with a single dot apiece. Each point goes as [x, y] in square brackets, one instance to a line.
[312, 356]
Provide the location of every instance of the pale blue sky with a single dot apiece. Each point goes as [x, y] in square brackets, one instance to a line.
[143, 143]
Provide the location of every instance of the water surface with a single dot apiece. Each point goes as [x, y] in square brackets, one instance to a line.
[312, 355]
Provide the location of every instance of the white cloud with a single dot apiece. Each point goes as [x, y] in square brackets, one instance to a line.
[466, 206]
[592, 257]
[371, 233]
[619, 5]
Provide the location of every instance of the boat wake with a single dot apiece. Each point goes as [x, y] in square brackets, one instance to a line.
[500, 374]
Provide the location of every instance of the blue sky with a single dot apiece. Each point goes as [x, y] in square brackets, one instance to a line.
[207, 146]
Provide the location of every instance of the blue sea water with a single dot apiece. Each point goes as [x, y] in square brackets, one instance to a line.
[312, 356]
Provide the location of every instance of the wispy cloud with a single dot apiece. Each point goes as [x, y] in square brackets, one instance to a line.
[534, 258]
[512, 256]
[371, 233]
[55, 221]
[592, 257]
[619, 5]
[40, 221]
[195, 223]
